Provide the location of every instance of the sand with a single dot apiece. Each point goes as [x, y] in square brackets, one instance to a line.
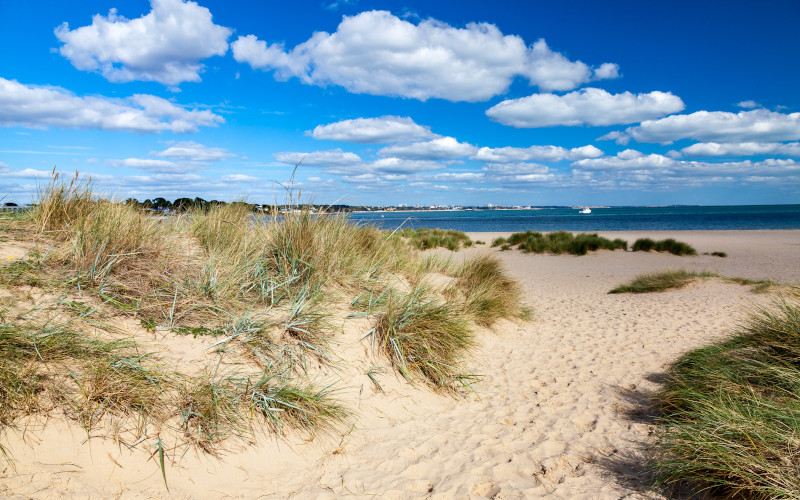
[560, 411]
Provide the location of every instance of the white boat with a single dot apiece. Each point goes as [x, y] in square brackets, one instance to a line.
[585, 211]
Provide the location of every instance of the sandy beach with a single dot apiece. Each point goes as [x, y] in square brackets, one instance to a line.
[560, 410]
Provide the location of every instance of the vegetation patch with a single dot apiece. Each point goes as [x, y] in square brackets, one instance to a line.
[679, 278]
[730, 412]
[488, 292]
[261, 289]
[668, 245]
[661, 281]
[425, 238]
[559, 242]
[424, 338]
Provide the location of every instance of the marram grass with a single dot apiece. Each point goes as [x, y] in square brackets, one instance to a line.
[424, 338]
[488, 292]
[425, 238]
[661, 281]
[730, 412]
[260, 292]
[559, 242]
[668, 245]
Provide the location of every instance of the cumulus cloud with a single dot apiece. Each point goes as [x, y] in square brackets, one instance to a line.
[403, 166]
[589, 106]
[239, 178]
[185, 156]
[741, 149]
[759, 125]
[330, 158]
[444, 148]
[383, 129]
[632, 169]
[459, 176]
[27, 173]
[514, 174]
[535, 153]
[628, 159]
[193, 151]
[166, 45]
[42, 107]
[344, 163]
[153, 165]
[748, 104]
[378, 53]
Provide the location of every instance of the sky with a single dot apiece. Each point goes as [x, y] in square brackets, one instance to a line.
[405, 102]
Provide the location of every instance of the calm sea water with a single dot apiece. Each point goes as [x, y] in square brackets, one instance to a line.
[601, 219]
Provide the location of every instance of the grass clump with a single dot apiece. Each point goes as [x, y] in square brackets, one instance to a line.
[46, 364]
[425, 238]
[730, 412]
[424, 338]
[757, 286]
[285, 402]
[660, 281]
[668, 280]
[211, 409]
[559, 242]
[488, 292]
[668, 245]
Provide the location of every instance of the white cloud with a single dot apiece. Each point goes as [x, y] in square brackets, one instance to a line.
[330, 158]
[373, 130]
[378, 53]
[718, 126]
[741, 149]
[239, 178]
[459, 176]
[628, 159]
[634, 170]
[444, 148]
[7, 172]
[535, 153]
[587, 106]
[193, 151]
[42, 107]
[402, 166]
[606, 71]
[153, 165]
[164, 45]
[748, 104]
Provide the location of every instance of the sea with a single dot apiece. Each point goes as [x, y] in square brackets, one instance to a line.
[692, 218]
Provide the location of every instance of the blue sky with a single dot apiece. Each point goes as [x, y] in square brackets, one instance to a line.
[382, 103]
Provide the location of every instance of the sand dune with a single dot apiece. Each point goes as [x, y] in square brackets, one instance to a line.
[560, 410]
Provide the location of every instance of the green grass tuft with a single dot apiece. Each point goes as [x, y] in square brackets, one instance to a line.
[668, 245]
[660, 281]
[489, 294]
[424, 338]
[559, 242]
[425, 238]
[731, 411]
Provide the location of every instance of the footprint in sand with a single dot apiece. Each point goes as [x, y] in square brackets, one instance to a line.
[486, 489]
